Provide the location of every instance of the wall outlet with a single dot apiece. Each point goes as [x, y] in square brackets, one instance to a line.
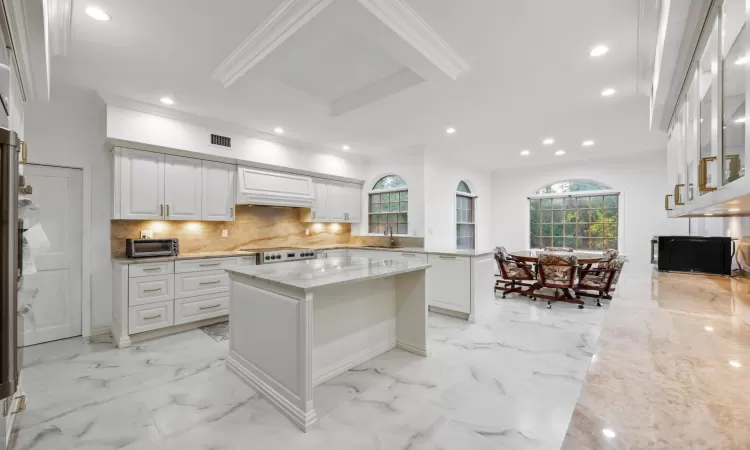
[147, 234]
[224, 233]
[307, 232]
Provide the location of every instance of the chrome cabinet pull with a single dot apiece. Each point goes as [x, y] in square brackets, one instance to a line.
[209, 264]
[152, 290]
[161, 210]
[167, 210]
[152, 317]
[210, 307]
[313, 214]
[151, 269]
[408, 254]
[231, 213]
[447, 257]
[210, 282]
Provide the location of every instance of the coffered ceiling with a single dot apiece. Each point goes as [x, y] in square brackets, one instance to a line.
[382, 75]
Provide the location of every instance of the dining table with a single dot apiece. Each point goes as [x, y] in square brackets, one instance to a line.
[585, 260]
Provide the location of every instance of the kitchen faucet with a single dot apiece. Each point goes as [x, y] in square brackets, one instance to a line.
[388, 228]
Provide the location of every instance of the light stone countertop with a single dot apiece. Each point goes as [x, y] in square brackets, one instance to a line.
[315, 273]
[183, 256]
[437, 251]
[671, 366]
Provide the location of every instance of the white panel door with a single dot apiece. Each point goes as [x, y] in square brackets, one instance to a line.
[182, 188]
[337, 202]
[141, 185]
[353, 199]
[218, 191]
[320, 211]
[53, 304]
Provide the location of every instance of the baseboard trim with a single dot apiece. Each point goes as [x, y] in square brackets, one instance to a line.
[448, 312]
[303, 421]
[340, 367]
[100, 330]
[161, 332]
[416, 349]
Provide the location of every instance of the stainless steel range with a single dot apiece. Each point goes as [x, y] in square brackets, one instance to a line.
[281, 254]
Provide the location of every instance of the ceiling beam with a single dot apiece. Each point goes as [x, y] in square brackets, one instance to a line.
[60, 18]
[277, 28]
[392, 84]
[405, 22]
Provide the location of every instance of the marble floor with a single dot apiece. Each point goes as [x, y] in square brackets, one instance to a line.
[510, 381]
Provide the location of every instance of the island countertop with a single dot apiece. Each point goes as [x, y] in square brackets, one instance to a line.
[315, 273]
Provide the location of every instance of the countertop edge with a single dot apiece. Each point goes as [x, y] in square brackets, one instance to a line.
[183, 257]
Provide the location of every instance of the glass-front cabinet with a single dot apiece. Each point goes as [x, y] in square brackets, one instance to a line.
[707, 143]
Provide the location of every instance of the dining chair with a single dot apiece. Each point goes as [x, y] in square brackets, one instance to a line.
[558, 272]
[600, 280]
[608, 255]
[512, 273]
[557, 249]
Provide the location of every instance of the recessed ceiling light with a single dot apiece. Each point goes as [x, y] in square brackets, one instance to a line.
[525, 153]
[278, 130]
[609, 92]
[559, 152]
[548, 141]
[708, 214]
[344, 147]
[742, 60]
[740, 120]
[608, 433]
[735, 363]
[734, 209]
[167, 101]
[450, 130]
[708, 328]
[599, 50]
[96, 13]
[587, 143]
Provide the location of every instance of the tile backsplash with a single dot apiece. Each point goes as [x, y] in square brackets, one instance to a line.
[254, 227]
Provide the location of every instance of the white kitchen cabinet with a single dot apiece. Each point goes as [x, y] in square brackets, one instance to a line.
[265, 187]
[449, 282]
[182, 188]
[141, 185]
[320, 210]
[218, 191]
[352, 198]
[337, 202]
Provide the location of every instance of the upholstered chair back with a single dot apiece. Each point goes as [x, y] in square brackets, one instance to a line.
[557, 271]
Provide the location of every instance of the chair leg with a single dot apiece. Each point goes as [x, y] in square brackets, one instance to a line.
[599, 299]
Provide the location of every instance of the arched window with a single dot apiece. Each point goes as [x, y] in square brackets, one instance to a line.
[578, 213]
[389, 206]
[465, 226]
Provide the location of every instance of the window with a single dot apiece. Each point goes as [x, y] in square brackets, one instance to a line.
[581, 221]
[389, 205]
[465, 227]
[573, 186]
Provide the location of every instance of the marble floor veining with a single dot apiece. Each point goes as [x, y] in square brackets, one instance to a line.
[511, 381]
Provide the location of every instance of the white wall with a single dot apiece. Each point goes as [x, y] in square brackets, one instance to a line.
[70, 131]
[442, 175]
[640, 178]
[155, 130]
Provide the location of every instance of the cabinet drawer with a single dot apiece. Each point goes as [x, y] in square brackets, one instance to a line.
[151, 317]
[148, 269]
[157, 288]
[202, 307]
[246, 260]
[421, 257]
[202, 265]
[201, 283]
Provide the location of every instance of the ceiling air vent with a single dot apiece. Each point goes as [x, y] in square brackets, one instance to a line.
[222, 141]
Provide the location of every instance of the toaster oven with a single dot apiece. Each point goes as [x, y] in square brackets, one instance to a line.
[146, 248]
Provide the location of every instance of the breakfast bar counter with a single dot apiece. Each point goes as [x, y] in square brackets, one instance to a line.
[298, 324]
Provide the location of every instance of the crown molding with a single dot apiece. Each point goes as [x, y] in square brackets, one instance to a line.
[219, 125]
[60, 17]
[405, 22]
[277, 28]
[28, 34]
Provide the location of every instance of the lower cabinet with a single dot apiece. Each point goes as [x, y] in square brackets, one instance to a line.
[182, 292]
[449, 282]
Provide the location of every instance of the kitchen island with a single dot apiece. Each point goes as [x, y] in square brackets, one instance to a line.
[298, 324]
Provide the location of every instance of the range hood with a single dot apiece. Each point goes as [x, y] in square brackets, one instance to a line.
[271, 188]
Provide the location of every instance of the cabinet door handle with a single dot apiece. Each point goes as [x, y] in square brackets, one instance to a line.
[152, 290]
[231, 213]
[152, 269]
[677, 197]
[167, 210]
[666, 202]
[209, 307]
[210, 282]
[408, 254]
[161, 210]
[208, 264]
[703, 174]
[313, 214]
[447, 257]
[152, 317]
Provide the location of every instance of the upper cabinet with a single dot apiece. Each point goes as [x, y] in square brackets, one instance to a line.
[335, 202]
[707, 146]
[140, 191]
[265, 187]
[218, 191]
[182, 188]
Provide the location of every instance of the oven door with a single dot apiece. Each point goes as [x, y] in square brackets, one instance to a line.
[655, 251]
[144, 248]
